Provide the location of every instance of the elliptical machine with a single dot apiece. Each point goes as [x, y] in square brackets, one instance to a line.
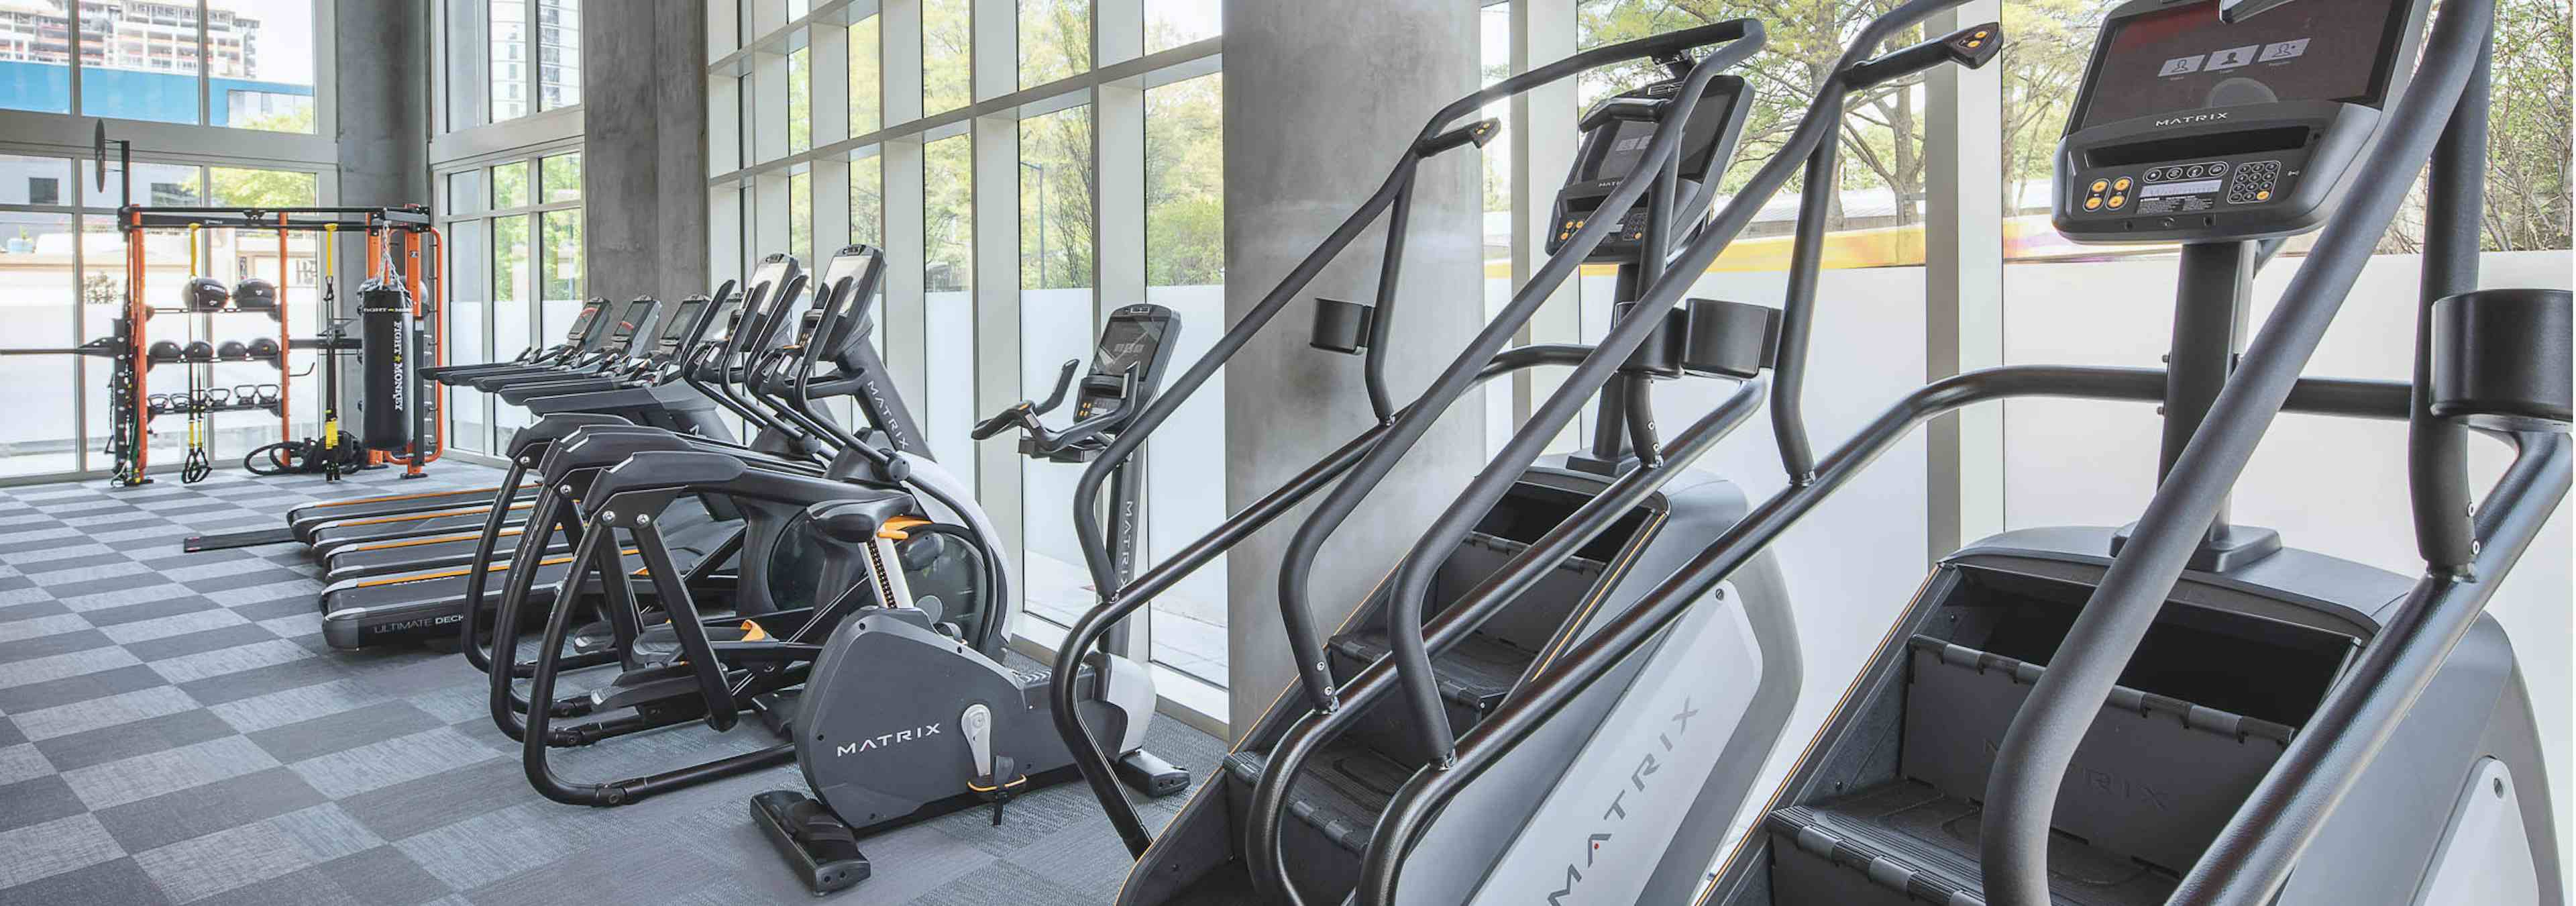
[899, 722]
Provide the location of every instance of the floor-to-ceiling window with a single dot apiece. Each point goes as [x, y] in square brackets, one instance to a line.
[515, 275]
[1028, 166]
[505, 153]
[219, 101]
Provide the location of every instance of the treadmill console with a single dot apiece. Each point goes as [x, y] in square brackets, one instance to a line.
[636, 318]
[676, 329]
[2195, 129]
[1615, 136]
[585, 322]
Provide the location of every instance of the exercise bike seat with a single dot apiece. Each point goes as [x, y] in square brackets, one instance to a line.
[858, 520]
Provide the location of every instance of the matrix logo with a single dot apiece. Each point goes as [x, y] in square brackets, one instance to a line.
[2194, 118]
[895, 738]
[1618, 809]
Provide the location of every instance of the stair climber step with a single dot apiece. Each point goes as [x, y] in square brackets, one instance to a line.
[2156, 778]
[1332, 811]
[1904, 842]
[1474, 677]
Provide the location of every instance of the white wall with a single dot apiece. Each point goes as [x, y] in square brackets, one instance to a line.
[2335, 486]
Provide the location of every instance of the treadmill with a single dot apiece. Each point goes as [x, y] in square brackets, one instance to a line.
[427, 604]
[684, 330]
[588, 332]
[626, 341]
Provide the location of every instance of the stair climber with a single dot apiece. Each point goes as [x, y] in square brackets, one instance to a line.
[2184, 710]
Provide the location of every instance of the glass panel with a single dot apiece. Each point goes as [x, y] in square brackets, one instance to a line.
[947, 55]
[1056, 325]
[139, 61]
[465, 193]
[469, 330]
[558, 53]
[948, 221]
[512, 285]
[867, 201]
[39, 306]
[509, 66]
[1185, 270]
[261, 58]
[2527, 135]
[1172, 23]
[561, 175]
[156, 184]
[35, 180]
[800, 101]
[562, 286]
[510, 186]
[800, 218]
[1055, 40]
[264, 188]
[866, 60]
[1874, 296]
[36, 53]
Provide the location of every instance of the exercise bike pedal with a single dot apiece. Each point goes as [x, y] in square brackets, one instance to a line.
[1149, 774]
[822, 849]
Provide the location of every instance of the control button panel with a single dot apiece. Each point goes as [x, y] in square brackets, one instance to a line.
[2255, 183]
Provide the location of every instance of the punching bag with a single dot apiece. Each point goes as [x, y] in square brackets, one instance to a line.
[384, 354]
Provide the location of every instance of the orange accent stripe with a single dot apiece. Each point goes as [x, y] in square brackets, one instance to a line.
[416, 517]
[462, 570]
[399, 497]
[416, 542]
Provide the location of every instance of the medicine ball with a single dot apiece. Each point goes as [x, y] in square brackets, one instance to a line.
[255, 294]
[201, 351]
[163, 351]
[263, 348]
[233, 351]
[206, 294]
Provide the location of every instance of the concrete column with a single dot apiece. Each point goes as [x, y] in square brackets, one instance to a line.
[644, 93]
[1315, 111]
[383, 113]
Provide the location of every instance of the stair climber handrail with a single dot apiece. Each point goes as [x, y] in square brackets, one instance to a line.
[2021, 792]
[1095, 623]
[1404, 625]
[1409, 811]
[1269, 805]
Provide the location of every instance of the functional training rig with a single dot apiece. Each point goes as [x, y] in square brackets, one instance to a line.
[402, 250]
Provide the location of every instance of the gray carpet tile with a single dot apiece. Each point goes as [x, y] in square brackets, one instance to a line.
[173, 730]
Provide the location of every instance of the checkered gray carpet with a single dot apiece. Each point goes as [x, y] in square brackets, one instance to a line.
[173, 730]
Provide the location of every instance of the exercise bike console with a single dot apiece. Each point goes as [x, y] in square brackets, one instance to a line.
[1127, 368]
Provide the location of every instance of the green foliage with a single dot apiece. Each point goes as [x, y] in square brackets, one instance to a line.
[1056, 181]
[1055, 40]
[800, 217]
[867, 201]
[948, 213]
[1185, 183]
[263, 188]
[866, 106]
[800, 100]
[561, 176]
[562, 254]
[947, 55]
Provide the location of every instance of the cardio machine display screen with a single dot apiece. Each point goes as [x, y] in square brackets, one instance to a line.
[2184, 59]
[1129, 342]
[681, 321]
[1626, 146]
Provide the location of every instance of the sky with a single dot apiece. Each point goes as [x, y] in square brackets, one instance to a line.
[285, 37]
